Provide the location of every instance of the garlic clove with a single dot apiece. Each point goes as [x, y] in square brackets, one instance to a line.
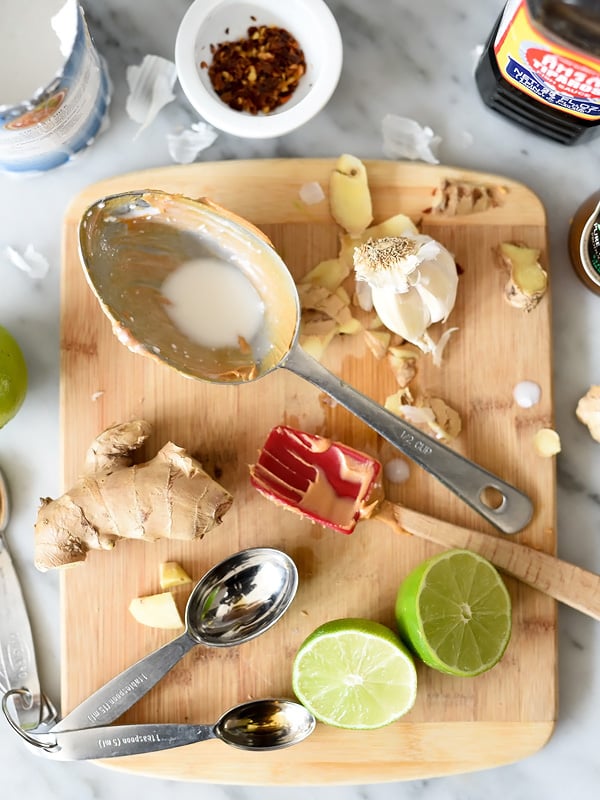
[437, 285]
[403, 313]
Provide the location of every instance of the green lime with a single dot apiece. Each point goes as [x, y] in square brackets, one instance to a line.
[13, 377]
[455, 612]
[354, 673]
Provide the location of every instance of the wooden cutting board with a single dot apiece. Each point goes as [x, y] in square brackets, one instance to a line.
[457, 724]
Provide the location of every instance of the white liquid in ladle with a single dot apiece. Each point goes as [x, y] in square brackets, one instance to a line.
[213, 303]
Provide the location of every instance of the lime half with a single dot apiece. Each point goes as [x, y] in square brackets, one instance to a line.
[355, 673]
[13, 377]
[455, 612]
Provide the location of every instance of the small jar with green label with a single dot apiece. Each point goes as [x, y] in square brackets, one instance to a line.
[584, 242]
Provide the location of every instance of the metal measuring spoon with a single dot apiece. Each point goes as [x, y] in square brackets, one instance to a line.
[268, 724]
[235, 601]
[18, 669]
[129, 244]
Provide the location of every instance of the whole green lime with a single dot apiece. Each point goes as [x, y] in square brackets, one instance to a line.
[13, 377]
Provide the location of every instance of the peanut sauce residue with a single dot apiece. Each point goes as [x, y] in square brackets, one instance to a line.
[328, 482]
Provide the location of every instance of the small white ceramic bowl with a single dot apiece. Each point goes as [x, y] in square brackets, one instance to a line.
[210, 22]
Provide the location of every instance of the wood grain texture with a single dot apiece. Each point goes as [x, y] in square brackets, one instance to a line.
[456, 724]
[572, 585]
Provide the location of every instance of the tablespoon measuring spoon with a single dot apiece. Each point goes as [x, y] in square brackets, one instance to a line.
[266, 724]
[131, 242]
[235, 601]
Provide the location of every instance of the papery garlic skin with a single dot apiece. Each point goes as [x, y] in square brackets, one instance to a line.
[413, 280]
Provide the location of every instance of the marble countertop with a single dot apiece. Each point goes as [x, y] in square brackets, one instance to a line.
[404, 58]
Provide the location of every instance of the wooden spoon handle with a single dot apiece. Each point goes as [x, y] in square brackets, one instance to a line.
[571, 585]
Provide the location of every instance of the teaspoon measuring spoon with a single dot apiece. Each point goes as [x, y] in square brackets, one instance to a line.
[129, 243]
[235, 601]
[267, 724]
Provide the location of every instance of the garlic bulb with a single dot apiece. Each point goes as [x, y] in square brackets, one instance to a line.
[413, 281]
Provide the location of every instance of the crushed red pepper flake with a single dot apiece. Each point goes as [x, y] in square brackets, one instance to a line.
[259, 73]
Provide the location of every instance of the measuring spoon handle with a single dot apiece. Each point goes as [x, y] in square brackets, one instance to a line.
[463, 477]
[112, 741]
[121, 692]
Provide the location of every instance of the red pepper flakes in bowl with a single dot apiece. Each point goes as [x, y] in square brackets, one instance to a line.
[257, 74]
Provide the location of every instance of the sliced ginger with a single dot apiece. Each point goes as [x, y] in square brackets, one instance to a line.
[349, 195]
[172, 574]
[329, 274]
[403, 363]
[546, 442]
[157, 611]
[528, 282]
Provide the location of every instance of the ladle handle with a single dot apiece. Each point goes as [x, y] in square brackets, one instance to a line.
[463, 477]
[112, 741]
[114, 698]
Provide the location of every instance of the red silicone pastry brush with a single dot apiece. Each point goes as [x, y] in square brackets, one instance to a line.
[335, 485]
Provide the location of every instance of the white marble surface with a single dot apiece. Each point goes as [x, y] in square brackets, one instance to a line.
[400, 57]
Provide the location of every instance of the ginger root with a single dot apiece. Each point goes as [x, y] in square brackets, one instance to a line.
[167, 497]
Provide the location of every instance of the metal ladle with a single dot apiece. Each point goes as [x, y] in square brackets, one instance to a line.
[130, 243]
[235, 601]
[267, 724]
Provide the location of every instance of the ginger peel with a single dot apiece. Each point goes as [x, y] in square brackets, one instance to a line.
[168, 497]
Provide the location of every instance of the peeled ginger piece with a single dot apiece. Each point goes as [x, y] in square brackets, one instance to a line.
[349, 195]
[172, 574]
[528, 281]
[546, 442]
[157, 611]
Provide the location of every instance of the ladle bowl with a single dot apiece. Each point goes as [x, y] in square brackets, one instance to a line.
[235, 601]
[258, 725]
[131, 242]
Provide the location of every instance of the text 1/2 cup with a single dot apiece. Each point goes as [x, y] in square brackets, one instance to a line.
[54, 86]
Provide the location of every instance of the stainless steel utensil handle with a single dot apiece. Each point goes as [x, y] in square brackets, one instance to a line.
[112, 741]
[124, 690]
[463, 477]
[17, 652]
